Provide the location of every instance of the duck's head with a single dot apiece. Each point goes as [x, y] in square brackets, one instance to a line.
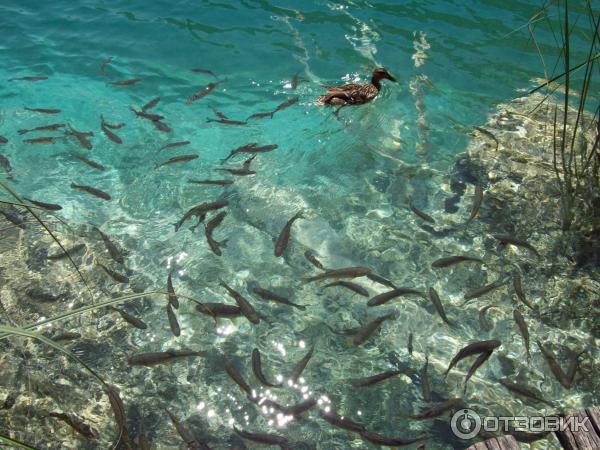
[380, 74]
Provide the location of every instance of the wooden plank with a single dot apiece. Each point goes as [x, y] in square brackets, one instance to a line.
[497, 443]
[580, 440]
[594, 414]
[503, 443]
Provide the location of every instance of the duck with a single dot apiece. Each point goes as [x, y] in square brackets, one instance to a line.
[355, 93]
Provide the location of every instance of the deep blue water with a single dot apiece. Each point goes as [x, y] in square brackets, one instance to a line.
[352, 174]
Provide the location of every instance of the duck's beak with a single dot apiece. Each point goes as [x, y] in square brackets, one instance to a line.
[391, 78]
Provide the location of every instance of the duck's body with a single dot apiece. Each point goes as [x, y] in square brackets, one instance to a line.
[355, 93]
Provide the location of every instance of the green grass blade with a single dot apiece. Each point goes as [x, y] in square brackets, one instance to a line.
[13, 443]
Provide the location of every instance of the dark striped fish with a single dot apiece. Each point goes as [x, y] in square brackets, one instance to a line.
[452, 260]
[247, 310]
[119, 278]
[507, 239]
[435, 299]
[286, 104]
[312, 258]
[177, 159]
[132, 320]
[342, 422]
[424, 379]
[153, 358]
[378, 439]
[257, 369]
[44, 110]
[113, 251]
[522, 325]
[474, 348]
[374, 379]
[477, 201]
[202, 93]
[125, 83]
[173, 323]
[43, 140]
[421, 214]
[151, 104]
[284, 237]
[46, 206]
[212, 182]
[219, 310]
[161, 126]
[264, 438]
[81, 136]
[517, 285]
[204, 71]
[89, 162]
[91, 190]
[28, 78]
[175, 145]
[439, 409]
[273, 297]
[109, 134]
[227, 121]
[346, 272]
[485, 325]
[385, 297]
[173, 300]
[103, 65]
[52, 127]
[483, 290]
[72, 251]
[349, 285]
[236, 376]
[301, 365]
[208, 231]
[364, 333]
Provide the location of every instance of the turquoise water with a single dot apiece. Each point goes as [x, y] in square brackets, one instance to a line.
[352, 175]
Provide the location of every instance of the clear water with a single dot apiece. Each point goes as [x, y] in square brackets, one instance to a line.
[352, 175]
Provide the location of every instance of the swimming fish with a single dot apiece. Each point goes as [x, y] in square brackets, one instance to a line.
[173, 323]
[251, 148]
[205, 91]
[41, 295]
[173, 300]
[145, 115]
[151, 104]
[228, 121]
[383, 298]
[507, 239]
[479, 361]
[435, 299]
[244, 170]
[525, 391]
[212, 182]
[247, 310]
[81, 136]
[349, 285]
[124, 83]
[208, 230]
[72, 251]
[341, 422]
[104, 63]
[257, 369]
[43, 140]
[409, 344]
[286, 104]
[5, 163]
[520, 321]
[485, 326]
[299, 408]
[161, 126]
[177, 159]
[483, 290]
[451, 260]
[113, 251]
[28, 78]
[3, 140]
[518, 287]
[119, 278]
[204, 71]
[236, 376]
[439, 409]
[200, 211]
[91, 190]
[219, 310]
[312, 258]
[89, 162]
[186, 435]
[477, 201]
[301, 365]
[132, 320]
[364, 333]
[554, 367]
[347, 272]
[46, 206]
[261, 115]
[175, 145]
[272, 296]
[421, 214]
[44, 110]
[153, 358]
[284, 237]
[424, 380]
[109, 134]
[378, 279]
[374, 379]
[473, 349]
[77, 424]
[488, 134]
[264, 438]
[378, 439]
[219, 114]
[52, 127]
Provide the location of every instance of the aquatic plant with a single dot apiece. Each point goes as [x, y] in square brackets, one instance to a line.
[576, 126]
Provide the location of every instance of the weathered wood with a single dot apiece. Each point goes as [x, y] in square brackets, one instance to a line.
[580, 440]
[497, 443]
[594, 415]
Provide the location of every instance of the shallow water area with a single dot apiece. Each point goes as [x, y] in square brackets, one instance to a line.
[353, 173]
